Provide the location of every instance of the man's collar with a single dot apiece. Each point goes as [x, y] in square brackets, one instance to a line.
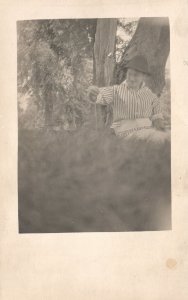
[125, 82]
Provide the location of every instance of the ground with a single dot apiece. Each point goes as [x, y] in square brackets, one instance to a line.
[84, 181]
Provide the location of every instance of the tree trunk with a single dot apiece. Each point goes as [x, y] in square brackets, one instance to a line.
[151, 39]
[104, 50]
[104, 59]
[48, 106]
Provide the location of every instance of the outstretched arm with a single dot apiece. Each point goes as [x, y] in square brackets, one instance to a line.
[103, 95]
[92, 93]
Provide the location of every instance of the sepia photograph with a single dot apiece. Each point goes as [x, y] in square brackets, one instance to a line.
[94, 125]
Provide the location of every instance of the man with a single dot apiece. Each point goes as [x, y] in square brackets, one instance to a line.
[135, 107]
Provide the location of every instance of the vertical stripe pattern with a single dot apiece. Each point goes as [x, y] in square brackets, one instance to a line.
[130, 104]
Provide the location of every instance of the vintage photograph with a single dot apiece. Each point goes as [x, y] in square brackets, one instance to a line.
[94, 125]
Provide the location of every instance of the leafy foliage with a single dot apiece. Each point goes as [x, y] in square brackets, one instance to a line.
[125, 32]
[54, 67]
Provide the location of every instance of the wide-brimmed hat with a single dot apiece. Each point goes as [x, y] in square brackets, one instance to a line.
[138, 63]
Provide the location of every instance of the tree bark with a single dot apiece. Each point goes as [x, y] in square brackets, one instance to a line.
[104, 60]
[104, 50]
[151, 39]
[48, 106]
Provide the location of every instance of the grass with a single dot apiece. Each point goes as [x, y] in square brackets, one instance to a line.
[85, 181]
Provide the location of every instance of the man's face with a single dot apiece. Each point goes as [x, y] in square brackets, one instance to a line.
[134, 78]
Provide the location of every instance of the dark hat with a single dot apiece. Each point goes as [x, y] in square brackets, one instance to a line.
[138, 63]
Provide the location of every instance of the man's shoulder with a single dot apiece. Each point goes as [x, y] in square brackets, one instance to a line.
[147, 90]
[121, 85]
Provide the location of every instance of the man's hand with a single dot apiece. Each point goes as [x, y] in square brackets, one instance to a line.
[92, 93]
[159, 124]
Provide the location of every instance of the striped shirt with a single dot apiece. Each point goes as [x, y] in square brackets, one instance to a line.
[129, 104]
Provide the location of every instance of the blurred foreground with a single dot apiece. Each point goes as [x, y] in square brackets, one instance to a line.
[84, 181]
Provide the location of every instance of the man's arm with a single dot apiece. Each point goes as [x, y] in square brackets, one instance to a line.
[102, 98]
[92, 93]
[103, 95]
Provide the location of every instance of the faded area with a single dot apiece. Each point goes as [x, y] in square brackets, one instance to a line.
[89, 182]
